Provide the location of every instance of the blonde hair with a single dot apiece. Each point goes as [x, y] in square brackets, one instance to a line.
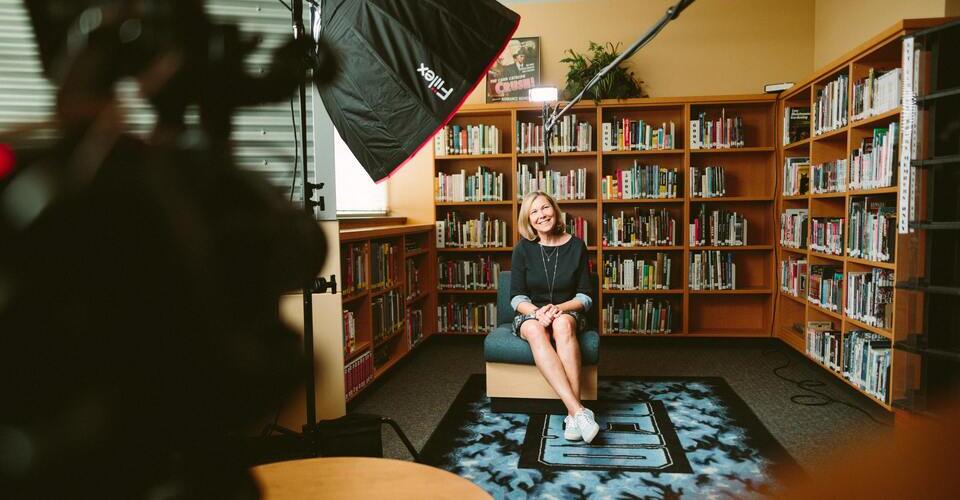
[523, 220]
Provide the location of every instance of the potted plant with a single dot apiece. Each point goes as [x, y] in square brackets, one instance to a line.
[619, 83]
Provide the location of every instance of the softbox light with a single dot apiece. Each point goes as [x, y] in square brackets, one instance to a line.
[406, 67]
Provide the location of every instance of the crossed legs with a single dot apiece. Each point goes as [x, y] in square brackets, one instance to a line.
[561, 367]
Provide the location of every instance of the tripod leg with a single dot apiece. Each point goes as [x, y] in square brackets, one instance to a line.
[403, 437]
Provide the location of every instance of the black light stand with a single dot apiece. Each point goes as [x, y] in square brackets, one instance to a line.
[550, 120]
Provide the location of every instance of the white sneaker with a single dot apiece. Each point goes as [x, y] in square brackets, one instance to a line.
[586, 424]
[570, 430]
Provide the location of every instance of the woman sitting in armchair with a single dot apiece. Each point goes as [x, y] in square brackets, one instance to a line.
[549, 290]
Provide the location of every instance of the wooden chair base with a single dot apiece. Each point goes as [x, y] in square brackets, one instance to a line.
[506, 382]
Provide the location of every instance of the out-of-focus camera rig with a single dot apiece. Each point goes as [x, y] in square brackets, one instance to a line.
[139, 279]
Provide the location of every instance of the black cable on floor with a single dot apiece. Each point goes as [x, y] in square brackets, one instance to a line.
[817, 398]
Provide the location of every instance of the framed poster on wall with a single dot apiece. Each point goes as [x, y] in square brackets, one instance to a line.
[515, 72]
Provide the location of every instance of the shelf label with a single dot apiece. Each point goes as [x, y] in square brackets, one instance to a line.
[908, 106]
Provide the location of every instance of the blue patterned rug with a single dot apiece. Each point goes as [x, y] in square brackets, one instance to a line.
[660, 437]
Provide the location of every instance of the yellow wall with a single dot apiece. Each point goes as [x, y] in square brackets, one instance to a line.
[841, 25]
[712, 48]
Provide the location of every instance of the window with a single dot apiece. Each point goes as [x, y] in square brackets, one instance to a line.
[357, 194]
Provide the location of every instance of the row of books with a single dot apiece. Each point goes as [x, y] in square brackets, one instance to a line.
[793, 228]
[386, 315]
[796, 123]
[384, 268]
[823, 344]
[826, 235]
[636, 135]
[578, 227]
[357, 374]
[640, 228]
[414, 326]
[707, 182]
[793, 276]
[485, 185]
[866, 362]
[640, 182]
[467, 140]
[560, 186]
[645, 317]
[414, 285]
[349, 332]
[872, 164]
[712, 270]
[878, 93]
[718, 228]
[466, 317]
[829, 177]
[569, 135]
[480, 273]
[872, 234]
[455, 232]
[825, 286]
[870, 297]
[831, 105]
[721, 133]
[634, 272]
[796, 176]
[353, 271]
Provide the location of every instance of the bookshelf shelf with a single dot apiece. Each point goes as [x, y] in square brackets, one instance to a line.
[828, 195]
[798, 251]
[732, 248]
[797, 145]
[872, 263]
[472, 203]
[570, 154]
[829, 256]
[414, 253]
[863, 326]
[732, 199]
[795, 197]
[353, 296]
[751, 181]
[575, 202]
[476, 249]
[642, 249]
[618, 201]
[881, 119]
[501, 156]
[876, 191]
[458, 291]
[360, 348]
[837, 134]
[822, 310]
[739, 291]
[760, 149]
[390, 336]
[798, 300]
[728, 333]
[643, 152]
[463, 334]
[652, 291]
[383, 290]
[416, 298]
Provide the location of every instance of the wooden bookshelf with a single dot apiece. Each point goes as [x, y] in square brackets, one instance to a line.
[751, 177]
[882, 52]
[413, 244]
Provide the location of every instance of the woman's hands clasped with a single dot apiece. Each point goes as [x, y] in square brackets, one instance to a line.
[548, 313]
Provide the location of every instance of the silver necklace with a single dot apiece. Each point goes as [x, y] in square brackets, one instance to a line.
[544, 259]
